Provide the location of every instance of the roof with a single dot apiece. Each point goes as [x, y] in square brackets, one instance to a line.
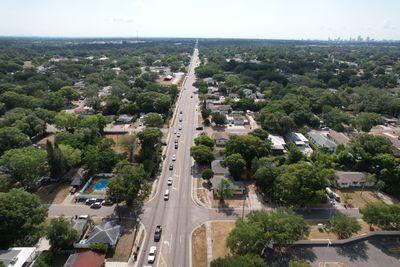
[87, 259]
[348, 177]
[76, 175]
[125, 118]
[79, 225]
[339, 138]
[216, 166]
[18, 255]
[321, 139]
[108, 233]
[278, 143]
[220, 135]
[216, 181]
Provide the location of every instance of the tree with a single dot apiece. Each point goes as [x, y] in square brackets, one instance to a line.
[204, 139]
[202, 154]
[344, 226]
[367, 179]
[150, 137]
[12, 137]
[128, 144]
[20, 213]
[68, 93]
[61, 234]
[299, 263]
[67, 121]
[379, 185]
[365, 120]
[25, 165]
[207, 174]
[71, 155]
[265, 178]
[225, 189]
[56, 161]
[260, 133]
[279, 228]
[248, 260]
[218, 118]
[236, 165]
[100, 159]
[98, 247]
[383, 215]
[153, 119]
[294, 153]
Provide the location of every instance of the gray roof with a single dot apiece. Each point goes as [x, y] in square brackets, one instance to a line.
[216, 166]
[79, 225]
[107, 233]
[216, 181]
[77, 176]
[6, 256]
[348, 177]
[321, 140]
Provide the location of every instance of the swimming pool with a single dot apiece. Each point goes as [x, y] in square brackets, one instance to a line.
[100, 184]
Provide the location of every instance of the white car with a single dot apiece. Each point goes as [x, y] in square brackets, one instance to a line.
[166, 195]
[152, 254]
[169, 181]
[173, 157]
[180, 127]
[178, 134]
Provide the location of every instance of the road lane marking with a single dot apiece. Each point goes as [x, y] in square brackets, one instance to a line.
[170, 241]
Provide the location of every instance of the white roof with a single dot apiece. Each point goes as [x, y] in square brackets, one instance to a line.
[277, 141]
[20, 254]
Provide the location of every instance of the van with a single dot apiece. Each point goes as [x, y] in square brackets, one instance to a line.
[329, 192]
[166, 195]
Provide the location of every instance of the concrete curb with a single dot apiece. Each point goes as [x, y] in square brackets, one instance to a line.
[131, 262]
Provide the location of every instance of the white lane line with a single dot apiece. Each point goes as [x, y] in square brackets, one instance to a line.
[170, 245]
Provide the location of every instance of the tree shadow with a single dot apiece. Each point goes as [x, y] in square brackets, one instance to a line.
[225, 208]
[354, 251]
[387, 244]
[279, 259]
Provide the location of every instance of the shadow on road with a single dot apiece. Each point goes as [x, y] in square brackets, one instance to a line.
[354, 251]
[224, 208]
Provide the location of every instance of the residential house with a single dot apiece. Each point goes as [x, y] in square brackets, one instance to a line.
[278, 143]
[390, 133]
[86, 259]
[344, 179]
[339, 138]
[212, 89]
[18, 256]
[248, 93]
[107, 233]
[124, 119]
[210, 81]
[220, 138]
[321, 139]
[223, 109]
[237, 120]
[105, 91]
[221, 172]
[300, 141]
[390, 120]
[77, 177]
[80, 224]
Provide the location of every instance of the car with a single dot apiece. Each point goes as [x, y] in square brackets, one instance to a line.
[180, 127]
[200, 128]
[166, 194]
[176, 145]
[72, 190]
[106, 202]
[175, 131]
[180, 120]
[180, 112]
[157, 233]
[169, 181]
[171, 166]
[152, 254]
[176, 141]
[191, 96]
[178, 134]
[96, 205]
[90, 201]
[173, 157]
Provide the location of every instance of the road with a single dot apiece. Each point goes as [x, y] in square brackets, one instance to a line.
[70, 210]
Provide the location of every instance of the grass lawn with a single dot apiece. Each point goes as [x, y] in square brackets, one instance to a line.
[199, 247]
[124, 246]
[219, 233]
[53, 193]
[357, 199]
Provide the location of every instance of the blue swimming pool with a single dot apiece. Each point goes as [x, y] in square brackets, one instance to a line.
[100, 184]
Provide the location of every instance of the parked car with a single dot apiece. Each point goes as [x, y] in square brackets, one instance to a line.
[106, 202]
[90, 201]
[200, 128]
[96, 205]
[169, 181]
[166, 195]
[72, 190]
[152, 254]
[157, 233]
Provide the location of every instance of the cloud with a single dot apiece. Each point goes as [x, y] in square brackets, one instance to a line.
[125, 20]
[388, 25]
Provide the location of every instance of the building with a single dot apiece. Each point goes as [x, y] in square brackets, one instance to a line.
[345, 179]
[321, 139]
[220, 138]
[86, 259]
[300, 141]
[124, 119]
[80, 224]
[339, 138]
[278, 143]
[221, 172]
[236, 120]
[77, 177]
[106, 233]
[223, 109]
[390, 133]
[18, 256]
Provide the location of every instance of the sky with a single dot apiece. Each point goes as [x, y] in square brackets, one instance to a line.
[263, 19]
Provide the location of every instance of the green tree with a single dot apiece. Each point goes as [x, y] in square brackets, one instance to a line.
[299, 263]
[225, 189]
[294, 153]
[204, 139]
[218, 118]
[99, 159]
[202, 154]
[366, 120]
[153, 119]
[383, 215]
[207, 174]
[67, 121]
[12, 137]
[128, 144]
[61, 234]
[344, 226]
[236, 165]
[21, 214]
[280, 228]
[248, 260]
[265, 178]
[260, 133]
[98, 247]
[367, 179]
[68, 93]
[25, 165]
[71, 155]
[56, 161]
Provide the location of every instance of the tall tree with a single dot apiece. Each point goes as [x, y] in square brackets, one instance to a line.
[12, 137]
[225, 189]
[344, 226]
[236, 165]
[202, 154]
[61, 234]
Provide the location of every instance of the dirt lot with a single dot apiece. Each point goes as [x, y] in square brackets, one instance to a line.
[234, 202]
[316, 233]
[125, 243]
[357, 200]
[199, 247]
[219, 234]
[53, 193]
[116, 138]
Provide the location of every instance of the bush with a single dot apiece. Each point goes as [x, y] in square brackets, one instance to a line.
[99, 247]
[45, 259]
[207, 174]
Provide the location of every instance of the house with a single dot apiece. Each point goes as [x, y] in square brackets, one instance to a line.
[18, 256]
[220, 138]
[124, 119]
[339, 138]
[223, 109]
[218, 168]
[390, 120]
[390, 133]
[248, 93]
[106, 233]
[209, 81]
[238, 186]
[77, 177]
[105, 91]
[80, 224]
[345, 179]
[321, 139]
[87, 259]
[300, 141]
[278, 143]
[212, 89]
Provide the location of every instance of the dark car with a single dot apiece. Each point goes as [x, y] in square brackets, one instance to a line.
[171, 166]
[157, 233]
[176, 146]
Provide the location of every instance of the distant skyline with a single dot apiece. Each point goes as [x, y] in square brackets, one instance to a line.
[262, 19]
